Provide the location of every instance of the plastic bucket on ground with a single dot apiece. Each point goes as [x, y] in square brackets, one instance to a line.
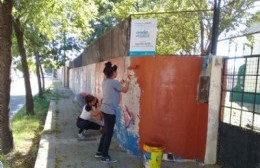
[156, 155]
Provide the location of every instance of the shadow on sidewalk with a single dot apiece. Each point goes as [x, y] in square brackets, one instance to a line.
[65, 148]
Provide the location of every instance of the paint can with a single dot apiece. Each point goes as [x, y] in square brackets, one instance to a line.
[156, 153]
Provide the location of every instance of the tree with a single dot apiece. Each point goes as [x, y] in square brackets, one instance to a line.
[104, 21]
[37, 63]
[35, 44]
[55, 50]
[232, 14]
[20, 40]
[42, 75]
[6, 138]
[72, 28]
[48, 18]
[184, 32]
[177, 31]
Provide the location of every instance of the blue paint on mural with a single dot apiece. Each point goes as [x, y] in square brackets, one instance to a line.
[125, 137]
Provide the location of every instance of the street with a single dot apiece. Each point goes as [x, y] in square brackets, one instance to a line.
[17, 92]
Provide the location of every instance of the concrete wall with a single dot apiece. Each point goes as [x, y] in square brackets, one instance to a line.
[214, 108]
[76, 80]
[160, 107]
[63, 74]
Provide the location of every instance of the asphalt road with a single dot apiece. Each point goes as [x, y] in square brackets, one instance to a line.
[17, 93]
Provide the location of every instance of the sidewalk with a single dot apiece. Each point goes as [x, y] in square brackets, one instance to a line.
[60, 148]
[64, 150]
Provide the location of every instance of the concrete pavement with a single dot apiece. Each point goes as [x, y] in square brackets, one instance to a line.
[60, 148]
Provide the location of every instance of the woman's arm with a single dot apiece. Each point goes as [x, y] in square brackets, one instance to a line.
[125, 84]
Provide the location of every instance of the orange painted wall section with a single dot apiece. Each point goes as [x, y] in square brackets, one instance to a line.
[170, 115]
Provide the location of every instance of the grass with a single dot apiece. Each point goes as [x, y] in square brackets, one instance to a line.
[26, 133]
[5, 161]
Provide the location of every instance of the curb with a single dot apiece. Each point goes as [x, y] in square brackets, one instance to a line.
[46, 151]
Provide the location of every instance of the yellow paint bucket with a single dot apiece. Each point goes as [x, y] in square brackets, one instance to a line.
[156, 155]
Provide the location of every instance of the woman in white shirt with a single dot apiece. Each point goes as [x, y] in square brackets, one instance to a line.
[90, 117]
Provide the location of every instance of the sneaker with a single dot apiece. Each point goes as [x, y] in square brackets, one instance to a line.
[81, 136]
[108, 159]
[98, 155]
[85, 133]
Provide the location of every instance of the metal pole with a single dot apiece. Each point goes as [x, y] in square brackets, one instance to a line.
[215, 26]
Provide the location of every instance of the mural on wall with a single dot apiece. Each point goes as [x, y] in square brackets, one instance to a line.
[128, 116]
[127, 124]
[89, 79]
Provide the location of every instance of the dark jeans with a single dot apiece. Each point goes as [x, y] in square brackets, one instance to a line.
[104, 144]
[85, 124]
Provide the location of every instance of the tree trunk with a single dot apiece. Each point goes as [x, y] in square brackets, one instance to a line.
[20, 40]
[208, 48]
[43, 80]
[6, 136]
[202, 38]
[37, 60]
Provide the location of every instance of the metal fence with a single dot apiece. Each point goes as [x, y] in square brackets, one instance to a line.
[241, 92]
[239, 127]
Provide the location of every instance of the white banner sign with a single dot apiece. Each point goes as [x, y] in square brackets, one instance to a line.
[143, 37]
